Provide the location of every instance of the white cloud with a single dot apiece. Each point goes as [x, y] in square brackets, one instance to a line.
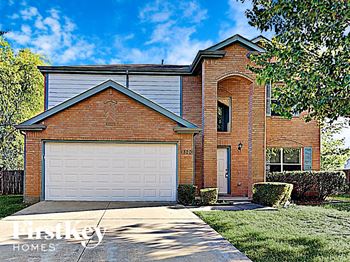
[156, 11]
[171, 37]
[194, 11]
[29, 13]
[51, 35]
[14, 16]
[238, 23]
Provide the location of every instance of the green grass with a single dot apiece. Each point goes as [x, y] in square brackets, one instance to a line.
[342, 197]
[339, 202]
[10, 204]
[297, 233]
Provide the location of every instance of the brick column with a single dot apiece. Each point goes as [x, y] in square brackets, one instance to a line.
[257, 172]
[209, 125]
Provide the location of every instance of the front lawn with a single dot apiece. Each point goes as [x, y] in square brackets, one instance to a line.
[342, 197]
[339, 202]
[10, 204]
[297, 233]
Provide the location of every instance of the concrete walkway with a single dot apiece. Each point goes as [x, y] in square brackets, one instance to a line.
[133, 232]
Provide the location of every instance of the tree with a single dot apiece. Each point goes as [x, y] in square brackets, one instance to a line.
[333, 151]
[21, 96]
[309, 53]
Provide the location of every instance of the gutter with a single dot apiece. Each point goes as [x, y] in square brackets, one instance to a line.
[37, 127]
[187, 130]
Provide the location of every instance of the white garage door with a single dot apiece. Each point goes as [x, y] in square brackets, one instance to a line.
[110, 172]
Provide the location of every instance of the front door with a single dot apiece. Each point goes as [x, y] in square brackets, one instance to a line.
[222, 170]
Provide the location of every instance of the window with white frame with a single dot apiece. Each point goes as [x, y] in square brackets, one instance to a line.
[283, 159]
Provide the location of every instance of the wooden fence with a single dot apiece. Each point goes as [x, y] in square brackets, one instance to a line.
[11, 182]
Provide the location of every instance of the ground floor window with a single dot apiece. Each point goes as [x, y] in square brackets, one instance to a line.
[283, 159]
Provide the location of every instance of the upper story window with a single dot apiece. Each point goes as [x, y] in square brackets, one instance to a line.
[224, 115]
[271, 101]
[283, 159]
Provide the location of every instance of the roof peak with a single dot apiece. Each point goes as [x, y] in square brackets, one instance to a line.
[97, 89]
[236, 38]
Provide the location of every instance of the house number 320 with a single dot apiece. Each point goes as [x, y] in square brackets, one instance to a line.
[186, 152]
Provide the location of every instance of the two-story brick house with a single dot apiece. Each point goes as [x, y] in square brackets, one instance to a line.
[135, 132]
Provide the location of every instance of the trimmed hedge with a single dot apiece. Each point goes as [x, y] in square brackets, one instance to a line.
[209, 196]
[186, 194]
[272, 194]
[311, 184]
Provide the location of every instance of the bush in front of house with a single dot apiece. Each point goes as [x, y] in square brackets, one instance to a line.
[303, 181]
[186, 194]
[330, 183]
[209, 196]
[311, 184]
[272, 194]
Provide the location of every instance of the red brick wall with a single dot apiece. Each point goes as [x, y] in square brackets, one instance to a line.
[296, 132]
[200, 107]
[229, 77]
[87, 121]
[238, 89]
[192, 111]
[250, 165]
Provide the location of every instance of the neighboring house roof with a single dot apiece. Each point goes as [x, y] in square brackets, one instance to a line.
[32, 124]
[214, 51]
[259, 38]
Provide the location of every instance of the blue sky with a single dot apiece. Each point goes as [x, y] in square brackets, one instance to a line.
[75, 32]
[121, 31]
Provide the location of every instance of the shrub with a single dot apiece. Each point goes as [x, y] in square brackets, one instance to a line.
[311, 184]
[303, 182]
[272, 194]
[186, 194]
[330, 183]
[209, 196]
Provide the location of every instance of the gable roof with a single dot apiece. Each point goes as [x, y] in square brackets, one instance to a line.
[103, 86]
[233, 39]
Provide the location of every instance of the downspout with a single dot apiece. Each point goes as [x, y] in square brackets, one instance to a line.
[24, 161]
[194, 159]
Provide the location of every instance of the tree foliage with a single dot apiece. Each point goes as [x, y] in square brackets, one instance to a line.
[333, 151]
[21, 96]
[309, 53]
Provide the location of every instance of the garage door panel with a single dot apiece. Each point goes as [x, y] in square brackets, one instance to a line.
[106, 171]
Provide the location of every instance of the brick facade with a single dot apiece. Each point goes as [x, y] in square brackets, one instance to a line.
[294, 133]
[226, 77]
[229, 77]
[192, 111]
[87, 121]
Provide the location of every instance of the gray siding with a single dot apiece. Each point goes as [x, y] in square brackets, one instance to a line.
[164, 90]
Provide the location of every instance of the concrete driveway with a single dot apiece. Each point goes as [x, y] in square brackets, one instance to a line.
[132, 232]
